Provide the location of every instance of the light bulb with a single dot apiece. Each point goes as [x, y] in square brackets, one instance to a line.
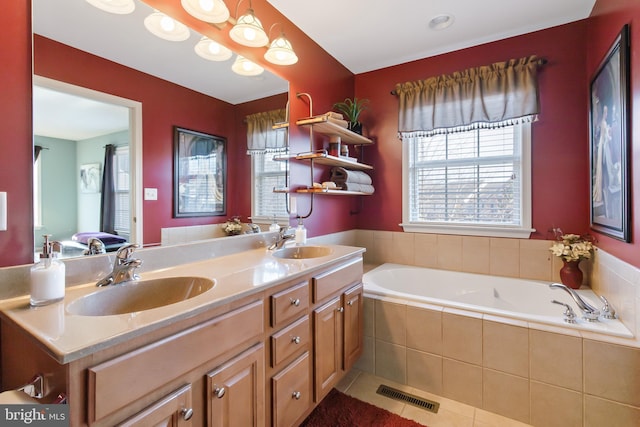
[249, 34]
[214, 48]
[167, 24]
[206, 5]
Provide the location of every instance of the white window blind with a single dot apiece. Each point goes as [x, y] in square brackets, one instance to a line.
[267, 175]
[473, 182]
[121, 179]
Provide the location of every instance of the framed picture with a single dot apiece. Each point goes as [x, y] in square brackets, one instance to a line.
[90, 178]
[609, 144]
[200, 174]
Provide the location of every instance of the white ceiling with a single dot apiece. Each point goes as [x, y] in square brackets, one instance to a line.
[367, 35]
[361, 34]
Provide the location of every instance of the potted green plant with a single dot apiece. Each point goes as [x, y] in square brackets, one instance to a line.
[351, 109]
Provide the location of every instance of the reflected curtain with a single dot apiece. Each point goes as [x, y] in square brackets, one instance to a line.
[108, 197]
[489, 96]
[261, 137]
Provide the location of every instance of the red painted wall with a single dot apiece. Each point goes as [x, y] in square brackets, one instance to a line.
[560, 155]
[608, 18]
[16, 142]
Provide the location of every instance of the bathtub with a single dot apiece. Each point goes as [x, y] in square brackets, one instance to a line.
[510, 298]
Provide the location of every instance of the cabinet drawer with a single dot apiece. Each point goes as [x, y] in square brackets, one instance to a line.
[116, 383]
[176, 409]
[289, 304]
[291, 391]
[332, 281]
[290, 340]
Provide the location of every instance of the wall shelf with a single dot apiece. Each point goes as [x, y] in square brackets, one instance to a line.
[332, 192]
[322, 158]
[323, 125]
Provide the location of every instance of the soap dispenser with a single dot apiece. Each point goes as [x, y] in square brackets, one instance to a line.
[47, 276]
[274, 225]
[301, 233]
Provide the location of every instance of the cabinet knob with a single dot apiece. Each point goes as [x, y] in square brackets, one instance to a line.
[350, 302]
[186, 413]
[296, 395]
[295, 301]
[295, 340]
[219, 392]
[340, 309]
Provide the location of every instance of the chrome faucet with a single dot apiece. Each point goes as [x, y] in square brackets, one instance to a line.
[589, 312]
[123, 267]
[283, 235]
[94, 247]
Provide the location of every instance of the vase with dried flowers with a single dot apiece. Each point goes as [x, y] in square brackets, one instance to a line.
[233, 226]
[572, 249]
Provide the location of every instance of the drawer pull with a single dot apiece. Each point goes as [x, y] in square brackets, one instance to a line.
[296, 395]
[295, 340]
[295, 301]
[340, 309]
[186, 413]
[219, 392]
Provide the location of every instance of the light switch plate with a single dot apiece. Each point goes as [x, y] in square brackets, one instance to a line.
[151, 194]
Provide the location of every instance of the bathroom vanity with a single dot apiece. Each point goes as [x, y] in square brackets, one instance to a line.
[262, 347]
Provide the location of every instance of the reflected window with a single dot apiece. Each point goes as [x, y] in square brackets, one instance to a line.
[121, 180]
[268, 174]
[37, 192]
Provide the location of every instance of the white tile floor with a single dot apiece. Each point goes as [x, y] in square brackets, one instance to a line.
[363, 386]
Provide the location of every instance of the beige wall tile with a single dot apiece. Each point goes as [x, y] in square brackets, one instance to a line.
[475, 254]
[462, 338]
[449, 256]
[366, 362]
[504, 257]
[402, 248]
[462, 382]
[381, 247]
[556, 359]
[424, 329]
[424, 371]
[612, 371]
[390, 322]
[506, 395]
[369, 317]
[553, 406]
[535, 259]
[426, 250]
[505, 348]
[599, 412]
[391, 361]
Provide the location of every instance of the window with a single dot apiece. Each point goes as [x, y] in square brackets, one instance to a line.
[37, 192]
[475, 182]
[122, 224]
[267, 174]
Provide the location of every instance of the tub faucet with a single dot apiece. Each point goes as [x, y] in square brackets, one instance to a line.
[123, 267]
[589, 312]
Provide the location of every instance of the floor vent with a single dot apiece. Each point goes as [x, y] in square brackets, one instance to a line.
[393, 393]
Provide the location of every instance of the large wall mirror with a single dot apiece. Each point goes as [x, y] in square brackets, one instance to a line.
[73, 126]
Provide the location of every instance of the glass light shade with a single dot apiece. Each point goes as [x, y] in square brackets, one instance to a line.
[281, 52]
[248, 31]
[212, 11]
[165, 27]
[213, 51]
[244, 67]
[120, 7]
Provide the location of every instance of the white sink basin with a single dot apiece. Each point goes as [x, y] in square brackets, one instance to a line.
[139, 295]
[302, 252]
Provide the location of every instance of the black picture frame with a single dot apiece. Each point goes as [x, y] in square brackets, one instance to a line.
[199, 174]
[609, 142]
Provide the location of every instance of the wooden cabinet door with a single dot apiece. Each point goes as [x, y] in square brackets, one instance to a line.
[235, 391]
[353, 325]
[327, 324]
[174, 410]
[291, 392]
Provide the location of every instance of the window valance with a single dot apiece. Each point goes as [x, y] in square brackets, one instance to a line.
[500, 94]
[261, 137]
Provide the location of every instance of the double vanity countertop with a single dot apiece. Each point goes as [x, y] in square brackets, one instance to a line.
[68, 337]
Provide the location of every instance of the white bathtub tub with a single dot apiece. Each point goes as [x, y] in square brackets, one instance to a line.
[526, 300]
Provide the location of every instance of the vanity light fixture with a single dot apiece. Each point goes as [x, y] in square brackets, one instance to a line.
[120, 7]
[211, 50]
[248, 30]
[244, 67]
[212, 11]
[165, 27]
[280, 51]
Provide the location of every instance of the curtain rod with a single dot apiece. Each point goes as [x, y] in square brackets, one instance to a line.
[541, 62]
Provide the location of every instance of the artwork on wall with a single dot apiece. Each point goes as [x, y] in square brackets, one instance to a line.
[199, 174]
[90, 178]
[609, 145]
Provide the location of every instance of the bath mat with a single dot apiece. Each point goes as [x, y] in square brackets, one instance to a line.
[341, 410]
